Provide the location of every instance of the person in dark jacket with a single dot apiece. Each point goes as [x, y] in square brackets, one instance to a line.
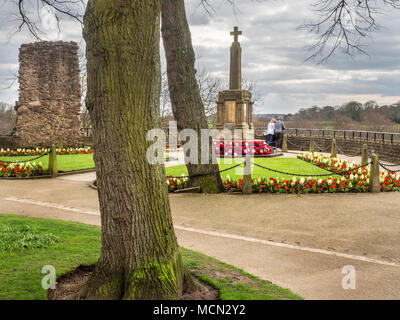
[279, 127]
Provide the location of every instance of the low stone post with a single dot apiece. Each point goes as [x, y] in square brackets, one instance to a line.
[364, 157]
[285, 144]
[247, 176]
[53, 167]
[312, 146]
[374, 178]
[333, 150]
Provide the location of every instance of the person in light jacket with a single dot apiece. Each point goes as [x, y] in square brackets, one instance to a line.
[271, 132]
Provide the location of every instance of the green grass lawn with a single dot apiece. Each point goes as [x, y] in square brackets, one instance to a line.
[70, 163]
[28, 244]
[290, 165]
[66, 163]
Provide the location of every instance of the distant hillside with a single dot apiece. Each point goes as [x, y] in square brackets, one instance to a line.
[352, 116]
[269, 115]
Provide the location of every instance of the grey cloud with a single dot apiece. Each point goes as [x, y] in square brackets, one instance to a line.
[273, 55]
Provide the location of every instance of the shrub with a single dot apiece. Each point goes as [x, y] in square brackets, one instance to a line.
[24, 237]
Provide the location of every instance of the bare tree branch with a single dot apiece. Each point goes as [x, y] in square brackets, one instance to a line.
[343, 25]
[208, 6]
[29, 13]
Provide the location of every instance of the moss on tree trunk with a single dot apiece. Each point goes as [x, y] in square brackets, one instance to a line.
[187, 106]
[139, 256]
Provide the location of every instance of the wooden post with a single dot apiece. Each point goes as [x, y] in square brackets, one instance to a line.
[285, 144]
[364, 157]
[333, 150]
[247, 176]
[312, 147]
[374, 178]
[53, 167]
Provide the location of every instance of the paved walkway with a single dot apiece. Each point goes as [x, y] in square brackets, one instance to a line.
[298, 242]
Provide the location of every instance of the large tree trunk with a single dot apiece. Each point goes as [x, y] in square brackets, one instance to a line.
[139, 256]
[186, 102]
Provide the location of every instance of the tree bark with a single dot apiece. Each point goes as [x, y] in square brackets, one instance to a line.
[186, 102]
[139, 258]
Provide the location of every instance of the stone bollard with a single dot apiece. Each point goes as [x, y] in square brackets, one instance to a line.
[364, 157]
[333, 150]
[374, 178]
[53, 167]
[312, 146]
[247, 176]
[285, 144]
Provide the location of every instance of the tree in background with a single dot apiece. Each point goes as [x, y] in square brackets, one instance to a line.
[187, 105]
[352, 115]
[192, 94]
[7, 118]
[343, 25]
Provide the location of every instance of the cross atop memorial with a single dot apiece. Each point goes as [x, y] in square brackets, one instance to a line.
[236, 33]
[235, 82]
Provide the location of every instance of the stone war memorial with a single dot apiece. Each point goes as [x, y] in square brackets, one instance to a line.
[49, 105]
[235, 106]
[235, 113]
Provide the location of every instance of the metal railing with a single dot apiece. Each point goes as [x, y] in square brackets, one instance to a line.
[372, 136]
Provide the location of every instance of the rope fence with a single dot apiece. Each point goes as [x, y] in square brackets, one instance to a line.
[391, 165]
[293, 144]
[346, 154]
[207, 174]
[321, 149]
[25, 161]
[386, 167]
[312, 175]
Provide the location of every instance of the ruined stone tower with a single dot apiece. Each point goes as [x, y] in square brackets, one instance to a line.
[49, 103]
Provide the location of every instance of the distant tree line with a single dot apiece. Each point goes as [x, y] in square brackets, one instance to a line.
[352, 115]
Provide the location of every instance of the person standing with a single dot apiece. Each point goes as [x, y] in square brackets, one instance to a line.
[279, 127]
[271, 132]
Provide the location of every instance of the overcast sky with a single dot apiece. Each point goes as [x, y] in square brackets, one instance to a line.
[273, 55]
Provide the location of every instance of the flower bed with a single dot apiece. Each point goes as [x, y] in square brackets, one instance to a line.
[302, 185]
[390, 181]
[329, 163]
[176, 183]
[21, 170]
[22, 152]
[355, 180]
